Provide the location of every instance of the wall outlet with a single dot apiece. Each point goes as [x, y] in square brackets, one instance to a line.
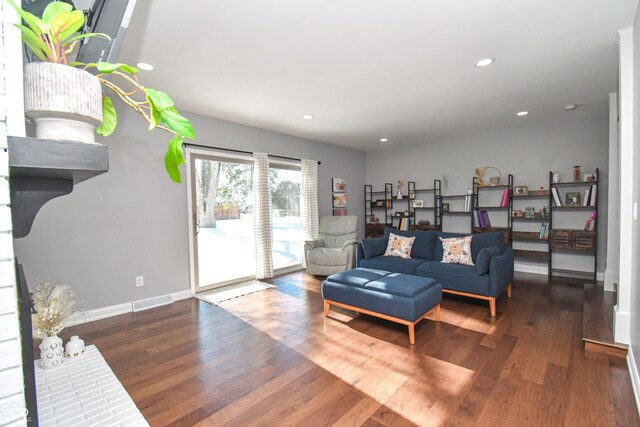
[139, 281]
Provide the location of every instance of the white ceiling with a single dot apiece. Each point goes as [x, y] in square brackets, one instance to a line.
[368, 69]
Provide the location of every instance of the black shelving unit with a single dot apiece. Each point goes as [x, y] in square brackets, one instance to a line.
[520, 236]
[415, 211]
[573, 240]
[373, 229]
[444, 198]
[507, 210]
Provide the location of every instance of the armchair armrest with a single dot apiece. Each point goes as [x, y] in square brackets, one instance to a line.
[501, 271]
[311, 244]
[349, 243]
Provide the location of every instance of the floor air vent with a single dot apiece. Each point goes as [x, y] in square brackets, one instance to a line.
[151, 302]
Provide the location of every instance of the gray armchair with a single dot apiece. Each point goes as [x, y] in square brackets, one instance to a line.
[334, 250]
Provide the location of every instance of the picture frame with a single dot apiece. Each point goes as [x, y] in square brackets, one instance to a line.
[445, 207]
[517, 213]
[520, 190]
[339, 200]
[572, 198]
[412, 195]
[339, 185]
[530, 212]
[340, 212]
[418, 203]
[590, 177]
[378, 203]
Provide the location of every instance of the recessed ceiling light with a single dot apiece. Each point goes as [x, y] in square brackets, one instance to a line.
[144, 66]
[484, 62]
[307, 117]
[522, 113]
[570, 107]
[383, 139]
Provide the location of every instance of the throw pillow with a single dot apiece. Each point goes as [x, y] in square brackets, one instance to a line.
[457, 250]
[374, 247]
[483, 260]
[399, 246]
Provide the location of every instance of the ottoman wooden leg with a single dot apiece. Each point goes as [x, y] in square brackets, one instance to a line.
[509, 290]
[412, 334]
[326, 309]
[492, 307]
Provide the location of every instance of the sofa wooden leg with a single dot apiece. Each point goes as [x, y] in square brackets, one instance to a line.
[326, 309]
[509, 290]
[412, 333]
[438, 313]
[492, 307]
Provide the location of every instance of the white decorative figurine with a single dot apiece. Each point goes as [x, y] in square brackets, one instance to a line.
[74, 348]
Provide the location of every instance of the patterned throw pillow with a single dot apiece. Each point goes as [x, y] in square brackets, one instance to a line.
[399, 246]
[457, 250]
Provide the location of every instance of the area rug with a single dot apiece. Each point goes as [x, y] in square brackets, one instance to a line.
[225, 293]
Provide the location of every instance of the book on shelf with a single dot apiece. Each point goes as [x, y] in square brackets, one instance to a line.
[544, 231]
[476, 218]
[587, 195]
[505, 198]
[467, 203]
[556, 197]
[590, 225]
[593, 195]
[482, 218]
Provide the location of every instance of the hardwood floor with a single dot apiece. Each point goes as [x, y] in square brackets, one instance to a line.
[272, 359]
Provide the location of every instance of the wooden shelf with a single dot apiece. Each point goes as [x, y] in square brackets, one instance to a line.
[524, 218]
[531, 196]
[540, 256]
[531, 236]
[493, 208]
[587, 208]
[425, 208]
[423, 190]
[484, 187]
[41, 170]
[573, 183]
[456, 212]
[449, 196]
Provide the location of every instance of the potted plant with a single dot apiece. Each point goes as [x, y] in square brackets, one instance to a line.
[68, 102]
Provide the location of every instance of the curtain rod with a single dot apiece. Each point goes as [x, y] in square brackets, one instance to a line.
[190, 144]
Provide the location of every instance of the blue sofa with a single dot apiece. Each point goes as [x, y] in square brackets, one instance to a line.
[487, 279]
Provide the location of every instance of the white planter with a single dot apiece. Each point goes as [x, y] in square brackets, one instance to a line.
[64, 102]
[51, 352]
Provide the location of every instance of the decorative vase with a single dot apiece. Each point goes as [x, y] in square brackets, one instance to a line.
[556, 178]
[469, 191]
[64, 102]
[577, 174]
[51, 352]
[74, 348]
[399, 195]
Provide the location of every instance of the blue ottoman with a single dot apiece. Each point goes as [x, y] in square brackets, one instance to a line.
[397, 297]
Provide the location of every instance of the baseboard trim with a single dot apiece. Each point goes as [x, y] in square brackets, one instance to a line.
[635, 377]
[610, 279]
[119, 309]
[539, 269]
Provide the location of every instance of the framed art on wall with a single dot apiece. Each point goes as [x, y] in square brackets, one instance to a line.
[339, 185]
[340, 212]
[339, 200]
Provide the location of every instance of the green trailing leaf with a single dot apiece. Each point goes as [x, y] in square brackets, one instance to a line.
[160, 99]
[172, 168]
[55, 8]
[109, 117]
[37, 25]
[175, 150]
[177, 123]
[66, 23]
[108, 67]
[85, 36]
[39, 48]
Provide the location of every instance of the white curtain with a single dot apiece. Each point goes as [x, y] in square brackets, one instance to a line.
[309, 199]
[262, 216]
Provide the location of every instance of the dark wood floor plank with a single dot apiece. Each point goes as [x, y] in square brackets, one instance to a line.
[272, 358]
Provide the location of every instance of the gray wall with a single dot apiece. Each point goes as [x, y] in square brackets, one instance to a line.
[528, 150]
[133, 220]
[635, 282]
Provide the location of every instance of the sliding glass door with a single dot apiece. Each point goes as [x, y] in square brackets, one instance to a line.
[222, 208]
[222, 219]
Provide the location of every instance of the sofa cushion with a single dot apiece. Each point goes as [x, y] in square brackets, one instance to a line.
[374, 247]
[357, 277]
[392, 264]
[457, 250]
[399, 246]
[480, 241]
[483, 261]
[456, 277]
[423, 245]
[328, 256]
[401, 285]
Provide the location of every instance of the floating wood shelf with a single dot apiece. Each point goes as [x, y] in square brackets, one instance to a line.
[41, 170]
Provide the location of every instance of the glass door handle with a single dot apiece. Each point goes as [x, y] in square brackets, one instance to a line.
[196, 225]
